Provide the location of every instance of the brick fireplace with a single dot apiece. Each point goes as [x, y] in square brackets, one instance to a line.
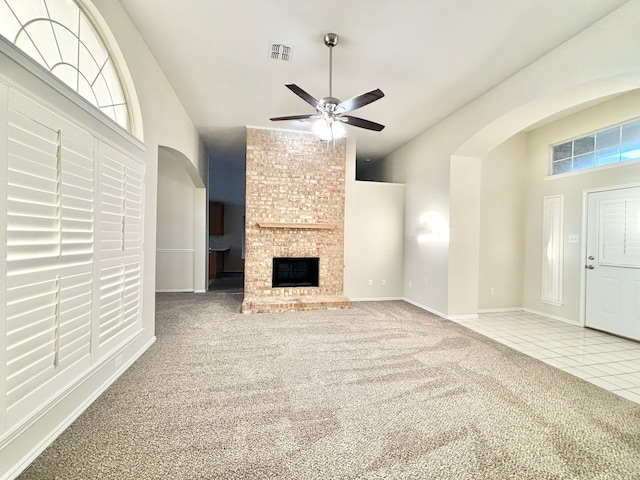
[295, 210]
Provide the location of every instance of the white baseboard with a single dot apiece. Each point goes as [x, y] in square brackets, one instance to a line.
[491, 310]
[174, 290]
[553, 317]
[39, 447]
[453, 318]
[498, 310]
[424, 307]
[375, 299]
[199, 291]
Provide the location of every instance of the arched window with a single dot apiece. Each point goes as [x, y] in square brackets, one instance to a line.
[60, 36]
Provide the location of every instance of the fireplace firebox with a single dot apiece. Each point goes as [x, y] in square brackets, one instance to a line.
[295, 272]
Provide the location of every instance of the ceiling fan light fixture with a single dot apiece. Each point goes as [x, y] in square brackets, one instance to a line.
[328, 130]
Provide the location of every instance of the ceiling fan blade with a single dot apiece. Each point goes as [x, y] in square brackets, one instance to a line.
[362, 123]
[360, 101]
[302, 94]
[293, 117]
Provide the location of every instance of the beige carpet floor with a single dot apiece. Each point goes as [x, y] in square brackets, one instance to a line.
[381, 391]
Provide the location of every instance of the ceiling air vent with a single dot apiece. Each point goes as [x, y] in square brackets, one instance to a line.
[280, 51]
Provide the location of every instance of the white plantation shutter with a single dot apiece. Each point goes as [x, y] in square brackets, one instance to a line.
[619, 242]
[120, 269]
[49, 263]
[552, 249]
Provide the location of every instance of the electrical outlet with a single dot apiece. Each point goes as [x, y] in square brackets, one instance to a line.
[371, 283]
[384, 283]
[492, 291]
[410, 284]
[426, 279]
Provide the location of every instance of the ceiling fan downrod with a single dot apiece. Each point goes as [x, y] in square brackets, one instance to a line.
[331, 40]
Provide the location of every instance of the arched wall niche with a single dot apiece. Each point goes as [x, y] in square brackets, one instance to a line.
[171, 154]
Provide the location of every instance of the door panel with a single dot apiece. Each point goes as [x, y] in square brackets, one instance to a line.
[613, 262]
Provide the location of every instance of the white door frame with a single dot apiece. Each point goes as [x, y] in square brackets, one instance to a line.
[583, 248]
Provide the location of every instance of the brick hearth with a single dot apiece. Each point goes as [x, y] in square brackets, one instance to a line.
[295, 208]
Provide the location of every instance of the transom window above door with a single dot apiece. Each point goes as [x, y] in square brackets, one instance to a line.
[59, 36]
[606, 147]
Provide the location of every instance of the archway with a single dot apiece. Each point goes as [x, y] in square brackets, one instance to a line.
[181, 236]
[475, 148]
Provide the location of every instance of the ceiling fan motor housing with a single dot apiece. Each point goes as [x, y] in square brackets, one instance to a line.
[328, 104]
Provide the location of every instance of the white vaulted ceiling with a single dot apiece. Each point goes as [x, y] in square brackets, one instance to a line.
[430, 57]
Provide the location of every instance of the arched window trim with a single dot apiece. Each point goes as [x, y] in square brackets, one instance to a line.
[44, 72]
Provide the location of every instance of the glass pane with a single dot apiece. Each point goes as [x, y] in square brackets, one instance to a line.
[113, 82]
[608, 156]
[101, 91]
[562, 166]
[92, 41]
[608, 138]
[122, 116]
[88, 65]
[562, 151]
[9, 26]
[109, 112]
[41, 33]
[68, 45]
[584, 161]
[24, 43]
[630, 151]
[584, 145]
[65, 12]
[27, 11]
[67, 74]
[631, 132]
[84, 89]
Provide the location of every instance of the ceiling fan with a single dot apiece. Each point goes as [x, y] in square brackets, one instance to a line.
[332, 110]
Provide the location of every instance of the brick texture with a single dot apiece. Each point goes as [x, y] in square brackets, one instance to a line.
[293, 178]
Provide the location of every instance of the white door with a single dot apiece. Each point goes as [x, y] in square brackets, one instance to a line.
[613, 262]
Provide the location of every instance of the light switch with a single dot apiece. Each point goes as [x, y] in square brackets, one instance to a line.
[574, 238]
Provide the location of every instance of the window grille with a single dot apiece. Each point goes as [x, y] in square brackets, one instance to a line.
[610, 146]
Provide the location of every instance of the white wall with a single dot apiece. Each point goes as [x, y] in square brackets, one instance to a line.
[373, 236]
[502, 225]
[618, 110]
[599, 61]
[464, 222]
[427, 193]
[374, 242]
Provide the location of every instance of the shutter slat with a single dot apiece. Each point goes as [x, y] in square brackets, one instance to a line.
[30, 181]
[24, 384]
[21, 193]
[24, 357]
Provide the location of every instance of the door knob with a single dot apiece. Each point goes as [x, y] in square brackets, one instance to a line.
[589, 267]
[591, 257]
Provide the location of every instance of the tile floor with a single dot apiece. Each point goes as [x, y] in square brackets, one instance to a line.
[610, 362]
